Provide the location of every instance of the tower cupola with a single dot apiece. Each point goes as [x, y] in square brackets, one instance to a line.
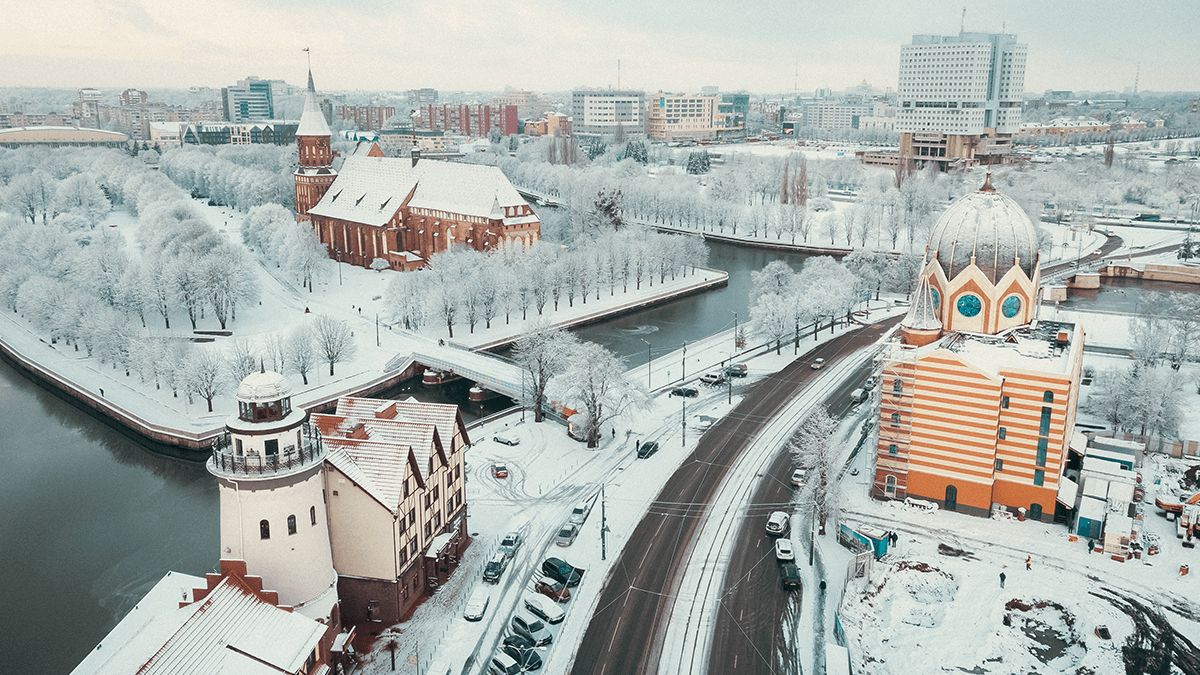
[315, 172]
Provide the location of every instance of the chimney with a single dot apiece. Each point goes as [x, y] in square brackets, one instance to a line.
[416, 156]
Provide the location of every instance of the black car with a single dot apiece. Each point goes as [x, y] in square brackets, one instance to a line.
[528, 658]
[519, 641]
[737, 370]
[686, 392]
[646, 449]
[562, 571]
[790, 575]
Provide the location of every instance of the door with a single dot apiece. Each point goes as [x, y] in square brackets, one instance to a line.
[951, 498]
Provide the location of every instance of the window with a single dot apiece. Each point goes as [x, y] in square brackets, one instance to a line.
[892, 449]
[1004, 402]
[1048, 397]
[449, 479]
[412, 548]
[403, 555]
[412, 517]
[897, 386]
[895, 419]
[458, 497]
[1041, 451]
[1044, 429]
[456, 471]
[264, 529]
[450, 505]
[999, 464]
[312, 514]
[1003, 433]
[428, 529]
[437, 521]
[407, 481]
[889, 485]
[291, 524]
[1039, 476]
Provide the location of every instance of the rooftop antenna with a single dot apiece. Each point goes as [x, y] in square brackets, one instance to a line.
[1137, 77]
[962, 26]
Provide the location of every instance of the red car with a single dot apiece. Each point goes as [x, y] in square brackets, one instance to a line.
[499, 471]
[552, 589]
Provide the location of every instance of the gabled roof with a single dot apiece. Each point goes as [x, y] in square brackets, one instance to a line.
[444, 415]
[370, 190]
[373, 452]
[230, 631]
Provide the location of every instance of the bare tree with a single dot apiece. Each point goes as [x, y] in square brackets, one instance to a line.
[334, 340]
[298, 351]
[205, 375]
[595, 381]
[813, 448]
[543, 351]
[240, 359]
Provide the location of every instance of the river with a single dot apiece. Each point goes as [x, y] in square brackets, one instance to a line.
[93, 518]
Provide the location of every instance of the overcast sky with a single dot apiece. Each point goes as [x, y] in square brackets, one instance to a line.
[554, 45]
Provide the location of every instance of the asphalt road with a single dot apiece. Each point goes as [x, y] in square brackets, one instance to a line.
[625, 634]
[748, 633]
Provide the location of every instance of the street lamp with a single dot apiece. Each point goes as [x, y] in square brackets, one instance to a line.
[647, 364]
[735, 334]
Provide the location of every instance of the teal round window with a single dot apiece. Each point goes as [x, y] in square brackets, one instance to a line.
[1012, 305]
[937, 299]
[969, 305]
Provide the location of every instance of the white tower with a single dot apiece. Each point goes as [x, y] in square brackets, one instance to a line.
[269, 475]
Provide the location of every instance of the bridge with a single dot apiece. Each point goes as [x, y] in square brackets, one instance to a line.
[488, 371]
[539, 197]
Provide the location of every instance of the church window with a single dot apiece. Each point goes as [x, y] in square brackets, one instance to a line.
[999, 464]
[1012, 305]
[312, 514]
[1004, 402]
[1039, 477]
[969, 306]
[1045, 426]
[264, 529]
[890, 485]
[1041, 451]
[1048, 397]
[291, 521]
[892, 449]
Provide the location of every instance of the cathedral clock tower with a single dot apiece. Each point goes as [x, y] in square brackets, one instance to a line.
[315, 173]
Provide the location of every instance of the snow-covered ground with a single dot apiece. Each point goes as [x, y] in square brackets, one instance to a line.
[351, 294]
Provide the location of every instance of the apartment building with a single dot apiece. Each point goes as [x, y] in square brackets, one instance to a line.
[600, 113]
[672, 117]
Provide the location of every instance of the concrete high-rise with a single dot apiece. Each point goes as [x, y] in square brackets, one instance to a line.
[960, 98]
[599, 113]
[251, 99]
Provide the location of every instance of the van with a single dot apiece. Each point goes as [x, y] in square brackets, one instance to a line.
[477, 604]
[858, 396]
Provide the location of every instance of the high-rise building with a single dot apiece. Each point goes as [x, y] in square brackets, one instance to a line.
[599, 113]
[250, 99]
[960, 98]
[976, 404]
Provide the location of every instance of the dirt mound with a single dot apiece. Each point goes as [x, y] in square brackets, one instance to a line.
[947, 550]
[1049, 628]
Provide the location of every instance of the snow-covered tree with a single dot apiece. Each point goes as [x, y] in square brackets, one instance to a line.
[775, 277]
[770, 317]
[241, 359]
[205, 375]
[334, 340]
[298, 351]
[595, 382]
[80, 194]
[813, 449]
[543, 351]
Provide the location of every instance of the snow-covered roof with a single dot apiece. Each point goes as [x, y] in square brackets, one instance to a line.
[1092, 509]
[1120, 492]
[370, 190]
[442, 415]
[230, 631]
[374, 452]
[989, 228]
[263, 387]
[922, 315]
[1010, 351]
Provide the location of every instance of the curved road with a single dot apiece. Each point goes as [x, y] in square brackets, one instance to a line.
[625, 633]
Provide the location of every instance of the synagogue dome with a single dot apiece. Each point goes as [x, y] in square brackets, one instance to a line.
[263, 387]
[989, 227]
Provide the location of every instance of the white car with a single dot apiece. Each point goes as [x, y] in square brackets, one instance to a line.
[580, 513]
[477, 604]
[544, 608]
[507, 439]
[798, 476]
[778, 524]
[817, 364]
[784, 551]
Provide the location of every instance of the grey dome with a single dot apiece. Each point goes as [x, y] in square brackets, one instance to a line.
[989, 226]
[263, 388]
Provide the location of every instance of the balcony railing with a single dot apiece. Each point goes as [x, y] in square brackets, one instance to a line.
[226, 460]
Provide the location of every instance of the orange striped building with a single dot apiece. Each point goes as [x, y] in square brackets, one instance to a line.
[977, 399]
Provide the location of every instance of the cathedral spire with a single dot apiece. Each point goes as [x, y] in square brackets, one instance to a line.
[311, 88]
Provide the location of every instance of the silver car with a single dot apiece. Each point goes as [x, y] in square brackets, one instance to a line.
[566, 535]
[532, 628]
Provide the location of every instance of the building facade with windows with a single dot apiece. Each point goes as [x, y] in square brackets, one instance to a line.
[671, 117]
[960, 98]
[606, 114]
[249, 99]
[977, 399]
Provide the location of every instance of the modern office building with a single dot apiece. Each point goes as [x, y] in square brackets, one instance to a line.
[976, 403]
[599, 113]
[671, 117]
[959, 99]
[250, 99]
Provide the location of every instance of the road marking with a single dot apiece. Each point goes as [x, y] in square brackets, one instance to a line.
[614, 635]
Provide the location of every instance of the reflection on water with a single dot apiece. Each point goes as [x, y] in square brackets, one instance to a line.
[1128, 296]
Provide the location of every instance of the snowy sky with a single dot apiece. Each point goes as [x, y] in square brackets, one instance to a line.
[549, 45]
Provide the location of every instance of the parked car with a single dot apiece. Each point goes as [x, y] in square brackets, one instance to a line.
[561, 570]
[495, 567]
[580, 513]
[869, 383]
[510, 543]
[858, 395]
[646, 449]
[544, 608]
[789, 574]
[531, 628]
[527, 659]
[500, 470]
[712, 378]
[477, 604]
[566, 534]
[778, 524]
[798, 476]
[686, 392]
[519, 641]
[784, 551]
[507, 439]
[818, 364]
[555, 590]
[503, 664]
[737, 370]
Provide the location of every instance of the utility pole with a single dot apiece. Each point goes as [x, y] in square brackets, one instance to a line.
[376, 329]
[648, 358]
[683, 441]
[603, 527]
[812, 536]
[684, 363]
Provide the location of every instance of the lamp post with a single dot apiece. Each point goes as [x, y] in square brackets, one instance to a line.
[735, 335]
[647, 364]
[684, 379]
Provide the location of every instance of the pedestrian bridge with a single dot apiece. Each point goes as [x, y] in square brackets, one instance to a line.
[488, 371]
